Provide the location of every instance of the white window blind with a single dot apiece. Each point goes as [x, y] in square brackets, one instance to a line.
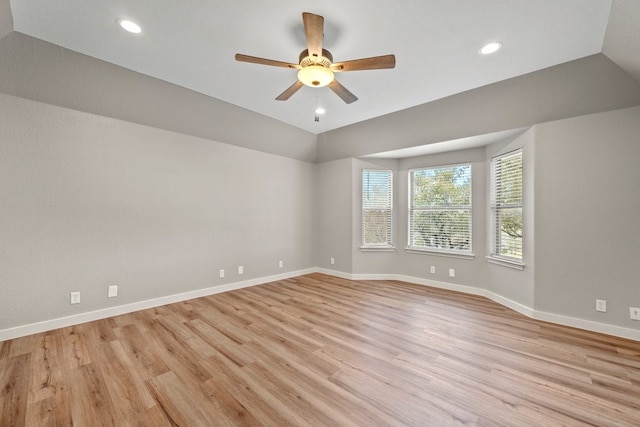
[506, 206]
[440, 209]
[377, 202]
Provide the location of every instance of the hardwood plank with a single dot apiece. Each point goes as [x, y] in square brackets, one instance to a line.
[232, 379]
[184, 405]
[14, 379]
[321, 350]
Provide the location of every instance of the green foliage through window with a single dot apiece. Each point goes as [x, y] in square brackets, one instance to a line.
[440, 208]
[506, 205]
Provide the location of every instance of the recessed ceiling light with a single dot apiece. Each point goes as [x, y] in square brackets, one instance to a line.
[320, 110]
[490, 48]
[130, 26]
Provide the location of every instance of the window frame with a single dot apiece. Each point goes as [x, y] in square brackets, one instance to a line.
[388, 245]
[494, 213]
[431, 250]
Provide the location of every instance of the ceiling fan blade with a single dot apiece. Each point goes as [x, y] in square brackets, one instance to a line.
[313, 31]
[373, 63]
[342, 92]
[262, 61]
[290, 91]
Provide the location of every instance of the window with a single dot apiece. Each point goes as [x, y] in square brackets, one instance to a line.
[440, 209]
[377, 201]
[506, 206]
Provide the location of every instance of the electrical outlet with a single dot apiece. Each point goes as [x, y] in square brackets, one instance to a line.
[240, 269]
[333, 261]
[432, 270]
[221, 274]
[74, 298]
[452, 272]
[601, 305]
[280, 264]
[112, 291]
[634, 313]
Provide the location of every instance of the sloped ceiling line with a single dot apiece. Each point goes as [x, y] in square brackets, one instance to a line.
[41, 71]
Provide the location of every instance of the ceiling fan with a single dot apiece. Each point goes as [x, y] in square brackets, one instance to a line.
[316, 66]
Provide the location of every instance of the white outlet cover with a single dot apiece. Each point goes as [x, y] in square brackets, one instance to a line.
[74, 298]
[221, 274]
[452, 272]
[433, 269]
[240, 269]
[112, 291]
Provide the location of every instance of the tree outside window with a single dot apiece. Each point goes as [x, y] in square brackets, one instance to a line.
[506, 206]
[440, 208]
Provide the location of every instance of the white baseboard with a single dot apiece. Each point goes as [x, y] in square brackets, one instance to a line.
[589, 325]
[61, 322]
[34, 328]
[335, 273]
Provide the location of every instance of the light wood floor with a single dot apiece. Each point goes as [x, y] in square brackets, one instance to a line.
[322, 351]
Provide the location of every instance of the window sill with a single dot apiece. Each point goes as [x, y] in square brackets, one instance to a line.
[517, 265]
[459, 255]
[377, 249]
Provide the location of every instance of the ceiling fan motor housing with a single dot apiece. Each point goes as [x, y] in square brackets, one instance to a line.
[325, 60]
[315, 71]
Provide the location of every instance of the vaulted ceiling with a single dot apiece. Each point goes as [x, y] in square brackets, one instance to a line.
[436, 43]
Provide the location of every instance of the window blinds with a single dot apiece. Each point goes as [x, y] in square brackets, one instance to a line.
[440, 208]
[377, 202]
[506, 205]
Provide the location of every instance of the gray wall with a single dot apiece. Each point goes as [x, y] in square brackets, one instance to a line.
[6, 20]
[40, 71]
[587, 210]
[334, 228]
[373, 262]
[584, 86]
[468, 272]
[88, 201]
[582, 198]
[517, 285]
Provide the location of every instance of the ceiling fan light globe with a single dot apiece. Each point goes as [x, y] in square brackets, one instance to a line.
[315, 76]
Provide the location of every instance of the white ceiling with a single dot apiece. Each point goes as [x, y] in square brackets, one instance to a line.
[436, 42]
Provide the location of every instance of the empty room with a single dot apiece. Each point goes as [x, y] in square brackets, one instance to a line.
[362, 213]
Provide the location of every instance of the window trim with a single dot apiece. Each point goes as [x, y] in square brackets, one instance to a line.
[504, 262]
[442, 253]
[372, 247]
[494, 257]
[452, 253]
